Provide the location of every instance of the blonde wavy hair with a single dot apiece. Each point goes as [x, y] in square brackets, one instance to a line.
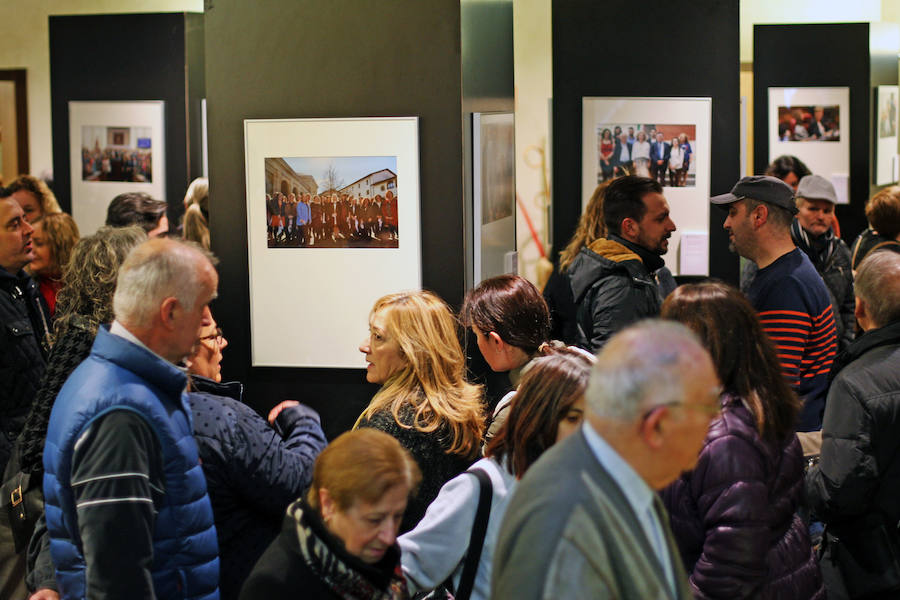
[432, 381]
[590, 228]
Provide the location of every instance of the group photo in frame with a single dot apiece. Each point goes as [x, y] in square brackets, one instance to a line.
[887, 162]
[332, 202]
[114, 147]
[307, 289]
[821, 134]
[682, 121]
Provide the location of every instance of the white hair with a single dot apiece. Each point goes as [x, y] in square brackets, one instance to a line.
[156, 270]
[878, 285]
[641, 367]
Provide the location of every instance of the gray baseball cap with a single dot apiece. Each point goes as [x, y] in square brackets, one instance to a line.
[816, 187]
[760, 187]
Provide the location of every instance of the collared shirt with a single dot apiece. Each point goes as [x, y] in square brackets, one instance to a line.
[624, 156]
[118, 329]
[637, 493]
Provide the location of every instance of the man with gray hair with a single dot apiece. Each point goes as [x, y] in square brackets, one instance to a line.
[855, 486]
[125, 497]
[793, 303]
[585, 520]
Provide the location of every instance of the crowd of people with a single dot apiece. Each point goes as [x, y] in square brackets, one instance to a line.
[332, 220]
[799, 124]
[116, 165]
[655, 440]
[645, 153]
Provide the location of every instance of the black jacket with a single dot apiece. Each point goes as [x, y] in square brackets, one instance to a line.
[613, 286]
[24, 347]
[859, 471]
[253, 471]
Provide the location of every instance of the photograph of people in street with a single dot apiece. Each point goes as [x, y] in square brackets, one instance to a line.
[332, 202]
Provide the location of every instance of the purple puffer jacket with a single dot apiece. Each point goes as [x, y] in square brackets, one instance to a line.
[734, 516]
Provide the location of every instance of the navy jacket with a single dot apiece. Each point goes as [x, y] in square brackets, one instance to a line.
[253, 472]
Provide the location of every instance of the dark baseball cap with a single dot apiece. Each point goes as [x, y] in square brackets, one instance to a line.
[760, 187]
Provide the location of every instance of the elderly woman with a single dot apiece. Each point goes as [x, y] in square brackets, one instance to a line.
[240, 451]
[549, 406]
[54, 237]
[414, 353]
[339, 542]
[735, 515]
[33, 196]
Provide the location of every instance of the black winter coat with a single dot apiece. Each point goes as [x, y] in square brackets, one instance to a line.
[253, 471]
[612, 287]
[24, 347]
[859, 470]
[734, 516]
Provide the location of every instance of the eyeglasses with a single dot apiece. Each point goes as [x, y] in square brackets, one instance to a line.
[710, 409]
[217, 337]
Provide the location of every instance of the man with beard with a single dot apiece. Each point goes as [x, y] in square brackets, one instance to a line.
[612, 279]
[788, 293]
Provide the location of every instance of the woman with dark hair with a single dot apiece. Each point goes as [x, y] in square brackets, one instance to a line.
[606, 147]
[413, 351]
[511, 323]
[54, 237]
[549, 407]
[676, 161]
[789, 169]
[686, 163]
[340, 540]
[735, 515]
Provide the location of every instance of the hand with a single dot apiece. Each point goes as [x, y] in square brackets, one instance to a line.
[44, 594]
[273, 414]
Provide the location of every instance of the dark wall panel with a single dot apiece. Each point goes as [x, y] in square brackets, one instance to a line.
[606, 49]
[344, 58]
[124, 57]
[819, 55]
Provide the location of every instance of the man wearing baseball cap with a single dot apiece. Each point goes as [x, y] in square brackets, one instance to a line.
[792, 301]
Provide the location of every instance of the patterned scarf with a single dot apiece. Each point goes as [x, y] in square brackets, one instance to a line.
[819, 250]
[330, 564]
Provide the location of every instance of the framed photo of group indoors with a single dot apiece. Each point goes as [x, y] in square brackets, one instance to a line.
[114, 147]
[667, 139]
[813, 124]
[327, 232]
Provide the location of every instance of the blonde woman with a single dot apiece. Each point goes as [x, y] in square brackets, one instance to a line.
[414, 353]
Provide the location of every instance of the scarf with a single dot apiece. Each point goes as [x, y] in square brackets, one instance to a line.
[819, 250]
[330, 564]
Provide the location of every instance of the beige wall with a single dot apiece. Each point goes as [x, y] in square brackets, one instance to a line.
[534, 87]
[25, 44]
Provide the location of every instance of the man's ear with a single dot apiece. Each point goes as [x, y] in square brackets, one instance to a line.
[651, 427]
[168, 312]
[760, 215]
[629, 227]
[861, 311]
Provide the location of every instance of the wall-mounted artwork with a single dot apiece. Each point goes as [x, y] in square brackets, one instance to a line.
[332, 202]
[886, 117]
[13, 124]
[494, 193]
[666, 139]
[813, 124]
[117, 147]
[314, 279]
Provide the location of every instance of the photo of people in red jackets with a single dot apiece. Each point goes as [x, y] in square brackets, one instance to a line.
[332, 202]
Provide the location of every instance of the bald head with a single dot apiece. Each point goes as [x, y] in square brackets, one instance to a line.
[877, 285]
[643, 366]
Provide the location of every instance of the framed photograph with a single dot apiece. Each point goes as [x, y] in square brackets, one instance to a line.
[886, 127]
[328, 232]
[494, 193]
[332, 202]
[114, 147]
[813, 124]
[667, 139]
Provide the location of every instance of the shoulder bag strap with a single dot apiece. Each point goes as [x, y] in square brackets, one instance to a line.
[476, 541]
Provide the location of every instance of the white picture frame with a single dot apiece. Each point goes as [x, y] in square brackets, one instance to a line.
[887, 125]
[145, 120]
[494, 192]
[309, 307]
[689, 205]
[830, 158]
